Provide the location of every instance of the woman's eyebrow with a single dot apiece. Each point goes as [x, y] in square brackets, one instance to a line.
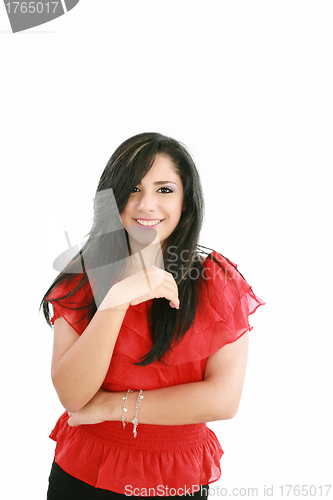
[162, 182]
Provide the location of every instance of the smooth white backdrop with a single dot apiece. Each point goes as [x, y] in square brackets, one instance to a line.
[247, 87]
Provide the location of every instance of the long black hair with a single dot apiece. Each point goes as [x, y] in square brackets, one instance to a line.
[107, 244]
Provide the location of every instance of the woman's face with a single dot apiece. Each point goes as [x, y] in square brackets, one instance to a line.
[155, 205]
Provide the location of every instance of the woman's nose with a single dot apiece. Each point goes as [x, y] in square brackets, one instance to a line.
[147, 202]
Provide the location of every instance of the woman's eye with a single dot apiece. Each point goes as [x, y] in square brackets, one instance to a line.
[169, 190]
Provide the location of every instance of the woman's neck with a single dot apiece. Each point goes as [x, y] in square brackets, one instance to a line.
[143, 255]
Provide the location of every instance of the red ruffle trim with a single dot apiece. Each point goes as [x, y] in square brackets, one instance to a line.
[109, 457]
[66, 308]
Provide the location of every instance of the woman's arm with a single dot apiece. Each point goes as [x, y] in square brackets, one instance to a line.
[217, 397]
[80, 363]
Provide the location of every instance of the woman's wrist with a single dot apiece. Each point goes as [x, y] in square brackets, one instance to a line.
[114, 300]
[113, 406]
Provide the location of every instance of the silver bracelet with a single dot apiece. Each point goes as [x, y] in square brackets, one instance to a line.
[135, 419]
[124, 408]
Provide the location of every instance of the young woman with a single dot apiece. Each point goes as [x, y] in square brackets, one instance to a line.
[150, 336]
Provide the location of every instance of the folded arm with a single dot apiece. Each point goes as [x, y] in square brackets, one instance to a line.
[217, 397]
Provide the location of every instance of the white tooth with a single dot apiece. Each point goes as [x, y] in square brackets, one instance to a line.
[148, 223]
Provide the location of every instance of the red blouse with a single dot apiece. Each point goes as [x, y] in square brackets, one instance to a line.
[107, 456]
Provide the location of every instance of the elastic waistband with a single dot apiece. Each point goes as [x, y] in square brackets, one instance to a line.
[149, 437]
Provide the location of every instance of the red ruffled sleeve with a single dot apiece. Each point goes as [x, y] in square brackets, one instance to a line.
[67, 308]
[225, 311]
[231, 298]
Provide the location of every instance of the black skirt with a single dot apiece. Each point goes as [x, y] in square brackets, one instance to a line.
[63, 486]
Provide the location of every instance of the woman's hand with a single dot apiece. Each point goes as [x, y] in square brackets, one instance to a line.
[151, 283]
[94, 412]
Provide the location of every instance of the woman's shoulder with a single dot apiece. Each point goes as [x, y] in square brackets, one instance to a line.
[70, 286]
[224, 305]
[222, 272]
[229, 294]
[225, 288]
[217, 257]
[70, 299]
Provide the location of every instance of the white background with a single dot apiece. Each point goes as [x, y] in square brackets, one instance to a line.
[247, 86]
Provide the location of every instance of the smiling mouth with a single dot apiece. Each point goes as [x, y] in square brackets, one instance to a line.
[148, 223]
